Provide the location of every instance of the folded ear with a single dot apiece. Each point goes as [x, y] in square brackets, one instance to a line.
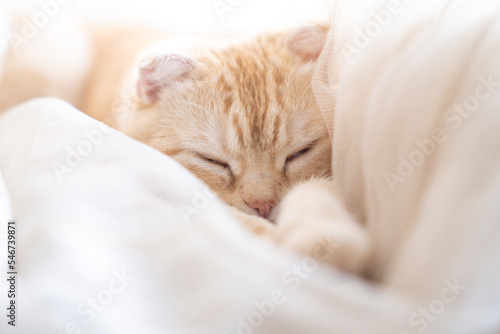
[307, 42]
[161, 71]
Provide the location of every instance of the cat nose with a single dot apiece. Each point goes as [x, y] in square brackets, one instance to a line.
[263, 207]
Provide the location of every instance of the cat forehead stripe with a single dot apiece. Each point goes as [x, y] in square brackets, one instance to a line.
[257, 82]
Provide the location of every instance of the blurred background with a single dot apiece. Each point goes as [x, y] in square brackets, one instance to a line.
[248, 16]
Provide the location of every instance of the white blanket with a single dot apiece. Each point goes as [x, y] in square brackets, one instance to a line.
[114, 237]
[118, 208]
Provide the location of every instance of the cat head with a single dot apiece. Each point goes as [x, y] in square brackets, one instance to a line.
[242, 118]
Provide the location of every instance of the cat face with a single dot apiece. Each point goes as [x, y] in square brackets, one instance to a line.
[242, 118]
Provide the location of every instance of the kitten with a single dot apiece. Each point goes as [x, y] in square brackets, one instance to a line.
[242, 117]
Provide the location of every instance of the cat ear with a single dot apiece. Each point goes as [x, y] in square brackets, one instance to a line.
[307, 42]
[161, 71]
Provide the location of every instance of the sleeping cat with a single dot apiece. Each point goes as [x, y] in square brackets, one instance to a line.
[242, 118]
[239, 115]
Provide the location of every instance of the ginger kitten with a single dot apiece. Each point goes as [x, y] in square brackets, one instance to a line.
[242, 117]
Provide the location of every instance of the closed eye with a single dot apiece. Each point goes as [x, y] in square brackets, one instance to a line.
[214, 162]
[298, 154]
[220, 164]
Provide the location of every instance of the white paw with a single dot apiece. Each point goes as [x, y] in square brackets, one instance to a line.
[314, 222]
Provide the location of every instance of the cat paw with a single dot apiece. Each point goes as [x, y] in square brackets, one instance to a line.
[314, 222]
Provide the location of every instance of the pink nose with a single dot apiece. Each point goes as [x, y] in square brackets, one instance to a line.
[263, 207]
